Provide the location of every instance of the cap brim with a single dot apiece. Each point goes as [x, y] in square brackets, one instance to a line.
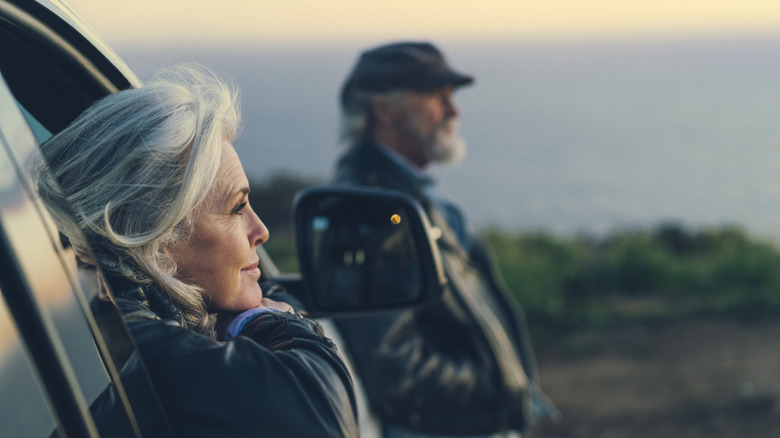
[441, 79]
[419, 83]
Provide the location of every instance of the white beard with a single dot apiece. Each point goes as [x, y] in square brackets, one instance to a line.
[443, 146]
[446, 146]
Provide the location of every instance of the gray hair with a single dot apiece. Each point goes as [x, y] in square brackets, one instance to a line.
[357, 116]
[131, 171]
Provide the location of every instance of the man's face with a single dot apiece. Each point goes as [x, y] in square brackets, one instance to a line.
[428, 121]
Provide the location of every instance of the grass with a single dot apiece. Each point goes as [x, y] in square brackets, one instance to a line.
[638, 275]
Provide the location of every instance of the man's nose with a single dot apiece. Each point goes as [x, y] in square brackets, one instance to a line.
[450, 109]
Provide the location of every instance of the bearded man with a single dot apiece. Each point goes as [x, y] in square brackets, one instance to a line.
[464, 365]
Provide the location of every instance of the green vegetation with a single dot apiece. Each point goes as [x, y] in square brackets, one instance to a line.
[638, 275]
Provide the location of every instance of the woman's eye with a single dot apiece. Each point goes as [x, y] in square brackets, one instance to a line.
[239, 208]
[81, 264]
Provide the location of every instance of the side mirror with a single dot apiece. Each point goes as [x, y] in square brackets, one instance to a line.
[364, 250]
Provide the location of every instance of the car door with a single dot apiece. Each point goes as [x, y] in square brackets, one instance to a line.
[54, 354]
[62, 369]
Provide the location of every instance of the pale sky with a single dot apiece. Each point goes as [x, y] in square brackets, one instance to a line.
[306, 21]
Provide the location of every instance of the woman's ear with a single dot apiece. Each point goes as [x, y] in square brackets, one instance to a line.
[103, 294]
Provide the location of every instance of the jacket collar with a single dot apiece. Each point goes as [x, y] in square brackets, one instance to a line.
[383, 167]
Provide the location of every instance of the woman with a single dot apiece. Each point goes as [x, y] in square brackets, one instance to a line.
[153, 193]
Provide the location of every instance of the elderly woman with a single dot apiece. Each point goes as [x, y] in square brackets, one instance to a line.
[147, 186]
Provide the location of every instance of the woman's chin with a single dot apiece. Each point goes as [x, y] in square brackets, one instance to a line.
[249, 298]
[254, 297]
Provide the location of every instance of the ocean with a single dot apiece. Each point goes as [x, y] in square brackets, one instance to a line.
[567, 137]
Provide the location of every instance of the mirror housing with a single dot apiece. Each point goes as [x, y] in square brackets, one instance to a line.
[364, 250]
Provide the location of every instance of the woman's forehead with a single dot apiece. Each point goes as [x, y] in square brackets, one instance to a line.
[231, 179]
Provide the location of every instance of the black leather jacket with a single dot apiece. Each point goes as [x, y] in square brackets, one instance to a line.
[462, 366]
[279, 378]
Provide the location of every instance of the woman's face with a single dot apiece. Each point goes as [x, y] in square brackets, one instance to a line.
[220, 256]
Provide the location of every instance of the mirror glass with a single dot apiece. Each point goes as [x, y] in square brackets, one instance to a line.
[363, 251]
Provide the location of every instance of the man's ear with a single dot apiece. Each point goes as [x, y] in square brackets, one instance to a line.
[383, 111]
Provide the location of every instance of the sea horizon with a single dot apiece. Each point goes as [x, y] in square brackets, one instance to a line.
[565, 137]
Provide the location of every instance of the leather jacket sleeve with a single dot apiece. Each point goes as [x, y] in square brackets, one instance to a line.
[479, 254]
[279, 378]
[318, 369]
[414, 362]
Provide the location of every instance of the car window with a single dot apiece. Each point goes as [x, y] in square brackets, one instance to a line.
[39, 131]
[52, 70]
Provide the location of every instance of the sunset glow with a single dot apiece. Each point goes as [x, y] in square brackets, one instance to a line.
[301, 21]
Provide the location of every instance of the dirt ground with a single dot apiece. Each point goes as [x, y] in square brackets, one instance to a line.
[702, 377]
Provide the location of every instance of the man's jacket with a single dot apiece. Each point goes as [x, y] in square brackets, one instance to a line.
[463, 365]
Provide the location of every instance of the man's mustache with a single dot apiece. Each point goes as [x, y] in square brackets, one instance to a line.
[448, 124]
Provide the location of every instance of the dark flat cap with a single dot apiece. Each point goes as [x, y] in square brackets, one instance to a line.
[417, 66]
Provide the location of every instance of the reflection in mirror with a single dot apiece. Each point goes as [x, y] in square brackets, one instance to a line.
[364, 253]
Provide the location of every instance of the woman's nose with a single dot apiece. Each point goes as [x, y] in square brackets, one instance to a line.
[258, 233]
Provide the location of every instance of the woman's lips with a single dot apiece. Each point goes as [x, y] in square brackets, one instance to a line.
[252, 269]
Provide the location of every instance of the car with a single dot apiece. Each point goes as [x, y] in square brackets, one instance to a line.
[60, 347]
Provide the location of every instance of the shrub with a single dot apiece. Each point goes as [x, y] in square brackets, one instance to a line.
[633, 274]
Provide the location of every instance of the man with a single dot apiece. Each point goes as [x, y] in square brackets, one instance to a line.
[463, 366]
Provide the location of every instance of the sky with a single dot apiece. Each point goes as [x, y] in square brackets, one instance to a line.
[152, 22]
